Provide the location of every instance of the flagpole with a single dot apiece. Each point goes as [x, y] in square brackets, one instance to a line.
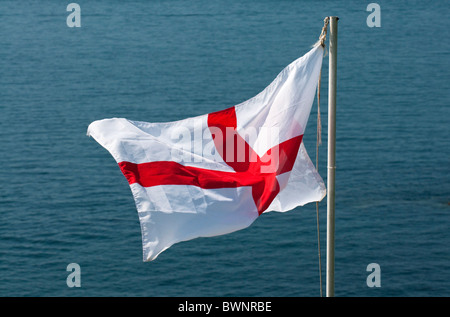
[331, 155]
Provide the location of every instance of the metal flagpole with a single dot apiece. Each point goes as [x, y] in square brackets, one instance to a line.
[331, 155]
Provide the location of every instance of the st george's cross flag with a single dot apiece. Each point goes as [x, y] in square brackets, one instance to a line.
[216, 173]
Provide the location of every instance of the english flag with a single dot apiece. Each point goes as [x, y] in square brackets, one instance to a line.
[216, 173]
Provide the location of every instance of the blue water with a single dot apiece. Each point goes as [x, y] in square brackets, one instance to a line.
[63, 198]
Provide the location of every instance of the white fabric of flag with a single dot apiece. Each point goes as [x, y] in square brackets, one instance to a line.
[216, 173]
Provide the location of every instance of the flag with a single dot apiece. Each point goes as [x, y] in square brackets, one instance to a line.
[217, 173]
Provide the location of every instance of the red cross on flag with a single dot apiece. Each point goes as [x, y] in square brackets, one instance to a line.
[216, 173]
